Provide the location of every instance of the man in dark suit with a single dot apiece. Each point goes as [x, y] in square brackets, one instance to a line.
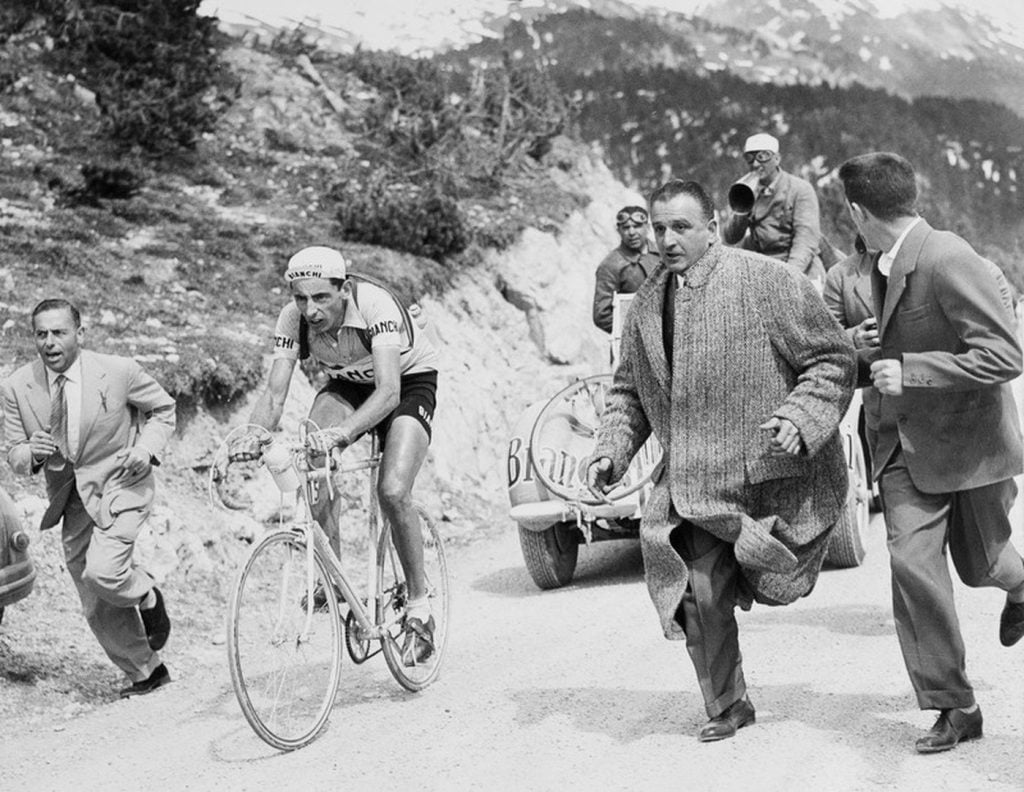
[94, 424]
[948, 440]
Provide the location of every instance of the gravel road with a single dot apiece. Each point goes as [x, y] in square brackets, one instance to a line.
[570, 690]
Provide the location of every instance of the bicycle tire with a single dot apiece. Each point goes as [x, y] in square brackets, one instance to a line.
[392, 599]
[285, 679]
[559, 444]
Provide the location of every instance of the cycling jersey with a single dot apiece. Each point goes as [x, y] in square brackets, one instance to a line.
[373, 319]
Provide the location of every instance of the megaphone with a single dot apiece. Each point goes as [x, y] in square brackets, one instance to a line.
[741, 197]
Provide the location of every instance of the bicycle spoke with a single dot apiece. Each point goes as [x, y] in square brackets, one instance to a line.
[285, 655]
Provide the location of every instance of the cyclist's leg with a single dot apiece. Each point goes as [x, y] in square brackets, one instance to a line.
[405, 448]
[329, 409]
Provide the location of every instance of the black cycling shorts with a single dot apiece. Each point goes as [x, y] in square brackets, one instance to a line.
[418, 398]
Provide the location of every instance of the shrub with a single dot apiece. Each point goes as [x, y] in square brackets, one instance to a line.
[521, 108]
[106, 181]
[424, 221]
[153, 64]
[211, 371]
[413, 111]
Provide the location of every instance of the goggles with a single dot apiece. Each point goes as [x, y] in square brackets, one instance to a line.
[757, 156]
[622, 218]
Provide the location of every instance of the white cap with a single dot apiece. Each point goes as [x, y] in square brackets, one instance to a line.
[761, 142]
[316, 262]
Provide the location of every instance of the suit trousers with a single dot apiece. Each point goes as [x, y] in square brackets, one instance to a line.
[109, 585]
[707, 616]
[974, 525]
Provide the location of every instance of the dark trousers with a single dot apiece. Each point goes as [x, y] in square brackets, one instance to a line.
[707, 616]
[974, 524]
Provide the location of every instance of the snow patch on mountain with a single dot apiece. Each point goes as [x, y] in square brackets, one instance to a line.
[431, 25]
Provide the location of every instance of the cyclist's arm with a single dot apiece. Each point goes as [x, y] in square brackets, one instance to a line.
[387, 375]
[270, 403]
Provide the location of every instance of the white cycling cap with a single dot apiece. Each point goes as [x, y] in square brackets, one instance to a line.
[761, 142]
[316, 261]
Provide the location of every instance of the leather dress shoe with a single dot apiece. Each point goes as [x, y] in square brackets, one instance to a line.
[1011, 623]
[156, 622]
[735, 717]
[952, 728]
[157, 679]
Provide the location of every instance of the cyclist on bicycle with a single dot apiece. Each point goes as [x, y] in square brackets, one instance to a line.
[382, 376]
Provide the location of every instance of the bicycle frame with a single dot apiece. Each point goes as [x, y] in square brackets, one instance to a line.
[371, 627]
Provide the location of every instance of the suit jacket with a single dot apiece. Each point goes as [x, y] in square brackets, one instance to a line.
[751, 339]
[616, 274]
[122, 406]
[945, 316]
[848, 295]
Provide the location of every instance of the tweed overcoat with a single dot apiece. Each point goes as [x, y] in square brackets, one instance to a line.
[752, 339]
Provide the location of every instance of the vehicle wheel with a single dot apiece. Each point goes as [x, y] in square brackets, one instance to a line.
[551, 554]
[393, 596]
[845, 546]
[564, 436]
[285, 660]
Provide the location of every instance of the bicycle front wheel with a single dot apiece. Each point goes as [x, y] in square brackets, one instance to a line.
[411, 673]
[285, 659]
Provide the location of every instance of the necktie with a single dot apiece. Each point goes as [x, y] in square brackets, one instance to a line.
[668, 326]
[59, 416]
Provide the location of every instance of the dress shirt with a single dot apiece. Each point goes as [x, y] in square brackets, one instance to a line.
[887, 258]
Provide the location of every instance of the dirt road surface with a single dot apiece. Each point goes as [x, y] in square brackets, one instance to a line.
[571, 690]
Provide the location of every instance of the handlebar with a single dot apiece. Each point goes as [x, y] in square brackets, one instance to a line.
[290, 463]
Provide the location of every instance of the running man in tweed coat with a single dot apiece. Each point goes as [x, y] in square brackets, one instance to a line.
[736, 365]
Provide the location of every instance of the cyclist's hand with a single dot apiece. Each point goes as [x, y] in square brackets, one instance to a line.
[248, 447]
[324, 440]
[599, 475]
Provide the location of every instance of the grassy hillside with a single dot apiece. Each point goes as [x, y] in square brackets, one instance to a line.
[168, 207]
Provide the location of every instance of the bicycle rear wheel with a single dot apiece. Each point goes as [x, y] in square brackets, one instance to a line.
[285, 663]
[394, 596]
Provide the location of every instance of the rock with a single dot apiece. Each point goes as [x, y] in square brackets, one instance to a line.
[85, 97]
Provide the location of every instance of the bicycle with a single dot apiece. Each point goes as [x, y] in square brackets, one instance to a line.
[285, 629]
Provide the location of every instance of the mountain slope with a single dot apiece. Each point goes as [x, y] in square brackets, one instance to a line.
[946, 50]
[943, 48]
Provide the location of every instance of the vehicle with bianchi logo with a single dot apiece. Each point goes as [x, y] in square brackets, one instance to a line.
[555, 513]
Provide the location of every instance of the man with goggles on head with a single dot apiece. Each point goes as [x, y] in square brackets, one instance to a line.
[773, 212]
[626, 267]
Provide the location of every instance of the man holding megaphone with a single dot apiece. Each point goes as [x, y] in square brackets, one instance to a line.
[773, 212]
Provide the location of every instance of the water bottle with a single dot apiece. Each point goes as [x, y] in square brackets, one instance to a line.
[279, 462]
